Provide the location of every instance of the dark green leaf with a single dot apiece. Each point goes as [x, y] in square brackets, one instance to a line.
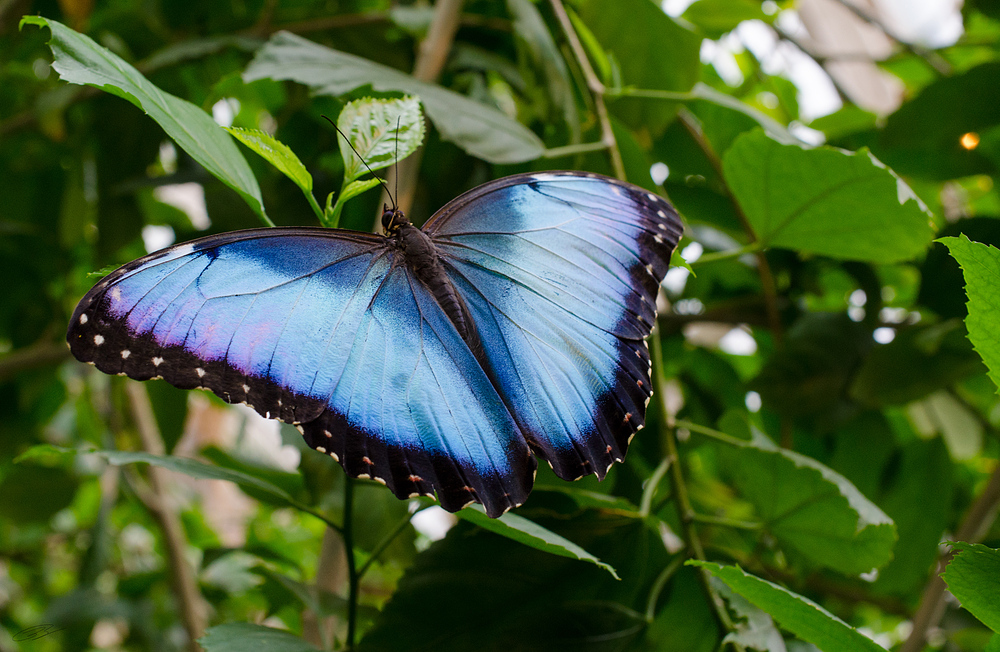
[478, 129]
[917, 362]
[79, 60]
[817, 511]
[916, 141]
[981, 265]
[826, 201]
[240, 637]
[520, 529]
[971, 577]
[802, 617]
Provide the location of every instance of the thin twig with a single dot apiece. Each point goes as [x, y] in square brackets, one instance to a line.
[932, 58]
[331, 576]
[352, 569]
[695, 550]
[763, 268]
[595, 86]
[190, 603]
[39, 354]
[974, 526]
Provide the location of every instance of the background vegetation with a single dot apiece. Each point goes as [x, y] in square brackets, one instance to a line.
[821, 422]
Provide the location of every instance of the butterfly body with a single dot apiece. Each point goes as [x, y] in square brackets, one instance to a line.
[438, 360]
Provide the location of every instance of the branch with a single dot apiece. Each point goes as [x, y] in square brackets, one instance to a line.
[974, 526]
[694, 547]
[192, 607]
[331, 575]
[932, 58]
[595, 87]
[763, 268]
[39, 354]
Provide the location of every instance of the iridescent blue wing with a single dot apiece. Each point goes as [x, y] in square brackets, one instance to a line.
[560, 272]
[324, 329]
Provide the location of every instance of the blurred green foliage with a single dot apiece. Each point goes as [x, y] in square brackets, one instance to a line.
[821, 423]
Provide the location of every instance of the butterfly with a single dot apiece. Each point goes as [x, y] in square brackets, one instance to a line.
[438, 361]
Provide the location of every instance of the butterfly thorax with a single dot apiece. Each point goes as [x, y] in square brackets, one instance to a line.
[422, 258]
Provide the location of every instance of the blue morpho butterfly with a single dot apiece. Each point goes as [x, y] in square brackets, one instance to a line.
[434, 360]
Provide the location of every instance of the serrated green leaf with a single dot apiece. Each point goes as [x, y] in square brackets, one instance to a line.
[520, 529]
[79, 60]
[240, 637]
[276, 153]
[971, 577]
[480, 130]
[795, 613]
[816, 512]
[382, 131]
[981, 267]
[825, 201]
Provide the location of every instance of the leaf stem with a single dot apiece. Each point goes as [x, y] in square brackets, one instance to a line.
[763, 267]
[653, 94]
[571, 150]
[386, 542]
[651, 485]
[315, 206]
[716, 256]
[711, 432]
[352, 571]
[727, 522]
[595, 86]
[661, 582]
[683, 502]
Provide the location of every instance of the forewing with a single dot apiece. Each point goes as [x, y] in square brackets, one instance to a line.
[560, 272]
[318, 328]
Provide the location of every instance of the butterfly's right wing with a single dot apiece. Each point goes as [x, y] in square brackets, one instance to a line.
[318, 328]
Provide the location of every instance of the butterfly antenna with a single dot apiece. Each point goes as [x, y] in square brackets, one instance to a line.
[362, 159]
[395, 161]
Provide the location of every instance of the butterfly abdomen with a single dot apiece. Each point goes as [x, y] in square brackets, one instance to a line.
[422, 257]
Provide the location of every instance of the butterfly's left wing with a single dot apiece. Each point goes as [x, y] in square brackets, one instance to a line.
[560, 271]
[325, 329]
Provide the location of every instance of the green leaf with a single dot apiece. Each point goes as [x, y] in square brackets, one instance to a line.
[530, 28]
[240, 637]
[753, 628]
[816, 512]
[382, 131]
[825, 201]
[981, 266]
[919, 503]
[520, 529]
[801, 616]
[480, 130]
[919, 361]
[916, 141]
[716, 17]
[79, 60]
[276, 153]
[195, 469]
[353, 189]
[654, 51]
[971, 577]
[475, 590]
